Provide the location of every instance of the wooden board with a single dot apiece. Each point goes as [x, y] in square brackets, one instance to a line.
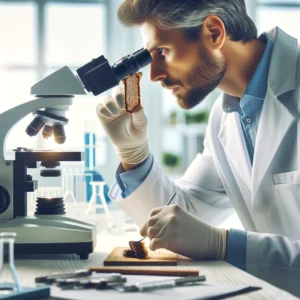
[161, 257]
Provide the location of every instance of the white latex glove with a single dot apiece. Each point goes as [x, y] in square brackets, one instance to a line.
[127, 131]
[172, 228]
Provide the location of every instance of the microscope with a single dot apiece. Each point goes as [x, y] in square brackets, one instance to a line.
[49, 231]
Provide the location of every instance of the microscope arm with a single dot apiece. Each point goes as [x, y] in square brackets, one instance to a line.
[57, 89]
[54, 91]
[10, 117]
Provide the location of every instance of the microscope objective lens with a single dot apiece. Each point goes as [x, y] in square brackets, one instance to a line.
[59, 134]
[47, 132]
[35, 126]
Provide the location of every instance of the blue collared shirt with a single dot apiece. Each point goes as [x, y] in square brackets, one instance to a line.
[249, 108]
[129, 181]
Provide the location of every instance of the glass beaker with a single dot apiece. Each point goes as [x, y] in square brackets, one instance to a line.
[98, 208]
[9, 239]
[68, 185]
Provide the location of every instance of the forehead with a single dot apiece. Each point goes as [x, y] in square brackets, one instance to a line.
[154, 36]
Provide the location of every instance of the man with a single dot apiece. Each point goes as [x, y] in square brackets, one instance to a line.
[251, 160]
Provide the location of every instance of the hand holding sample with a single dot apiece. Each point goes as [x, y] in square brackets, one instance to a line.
[127, 131]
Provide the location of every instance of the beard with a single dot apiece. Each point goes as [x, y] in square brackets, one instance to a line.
[202, 79]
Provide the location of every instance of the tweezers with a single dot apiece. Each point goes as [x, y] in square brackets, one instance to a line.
[52, 278]
[149, 286]
[95, 283]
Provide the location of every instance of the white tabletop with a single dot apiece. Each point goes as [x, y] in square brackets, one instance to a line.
[218, 272]
[215, 271]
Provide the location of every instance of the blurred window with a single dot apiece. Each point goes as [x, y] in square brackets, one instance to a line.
[74, 39]
[39, 37]
[18, 58]
[284, 14]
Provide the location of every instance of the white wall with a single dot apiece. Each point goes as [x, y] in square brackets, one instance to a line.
[251, 6]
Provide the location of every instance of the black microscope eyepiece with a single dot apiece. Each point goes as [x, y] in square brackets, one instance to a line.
[98, 76]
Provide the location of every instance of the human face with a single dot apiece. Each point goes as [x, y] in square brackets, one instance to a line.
[185, 67]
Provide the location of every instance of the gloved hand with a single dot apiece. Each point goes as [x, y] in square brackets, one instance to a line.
[127, 131]
[172, 228]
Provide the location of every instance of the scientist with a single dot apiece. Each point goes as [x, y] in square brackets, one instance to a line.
[251, 160]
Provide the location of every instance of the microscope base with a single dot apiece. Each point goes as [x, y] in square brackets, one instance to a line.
[81, 249]
[51, 234]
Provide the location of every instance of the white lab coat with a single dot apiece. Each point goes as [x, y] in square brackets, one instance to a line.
[265, 196]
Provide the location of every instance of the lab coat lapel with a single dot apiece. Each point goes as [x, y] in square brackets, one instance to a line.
[275, 118]
[274, 123]
[233, 142]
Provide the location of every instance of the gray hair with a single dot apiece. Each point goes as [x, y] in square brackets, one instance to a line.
[188, 16]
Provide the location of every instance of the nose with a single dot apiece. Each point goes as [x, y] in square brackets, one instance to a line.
[157, 70]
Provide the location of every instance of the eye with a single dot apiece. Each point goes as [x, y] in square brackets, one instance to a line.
[162, 51]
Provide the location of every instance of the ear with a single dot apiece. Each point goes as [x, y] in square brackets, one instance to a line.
[213, 32]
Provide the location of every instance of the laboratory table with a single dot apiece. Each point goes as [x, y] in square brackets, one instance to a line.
[216, 271]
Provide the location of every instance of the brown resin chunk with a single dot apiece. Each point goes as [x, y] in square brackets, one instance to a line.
[132, 92]
[128, 253]
[137, 250]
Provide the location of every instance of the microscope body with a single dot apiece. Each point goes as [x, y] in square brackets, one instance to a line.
[54, 233]
[59, 101]
[41, 233]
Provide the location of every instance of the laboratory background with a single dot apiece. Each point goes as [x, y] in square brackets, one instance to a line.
[38, 37]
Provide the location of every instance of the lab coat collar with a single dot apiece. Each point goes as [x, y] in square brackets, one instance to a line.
[282, 73]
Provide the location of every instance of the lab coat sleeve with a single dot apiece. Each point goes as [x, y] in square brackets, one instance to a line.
[199, 191]
[130, 180]
[274, 258]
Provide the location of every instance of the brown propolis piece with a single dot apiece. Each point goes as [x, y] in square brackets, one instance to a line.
[128, 253]
[137, 250]
[132, 92]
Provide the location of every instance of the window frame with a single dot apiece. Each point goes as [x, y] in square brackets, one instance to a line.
[290, 4]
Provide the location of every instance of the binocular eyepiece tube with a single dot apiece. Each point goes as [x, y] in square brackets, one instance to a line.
[98, 76]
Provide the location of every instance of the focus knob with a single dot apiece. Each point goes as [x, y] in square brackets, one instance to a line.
[4, 199]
